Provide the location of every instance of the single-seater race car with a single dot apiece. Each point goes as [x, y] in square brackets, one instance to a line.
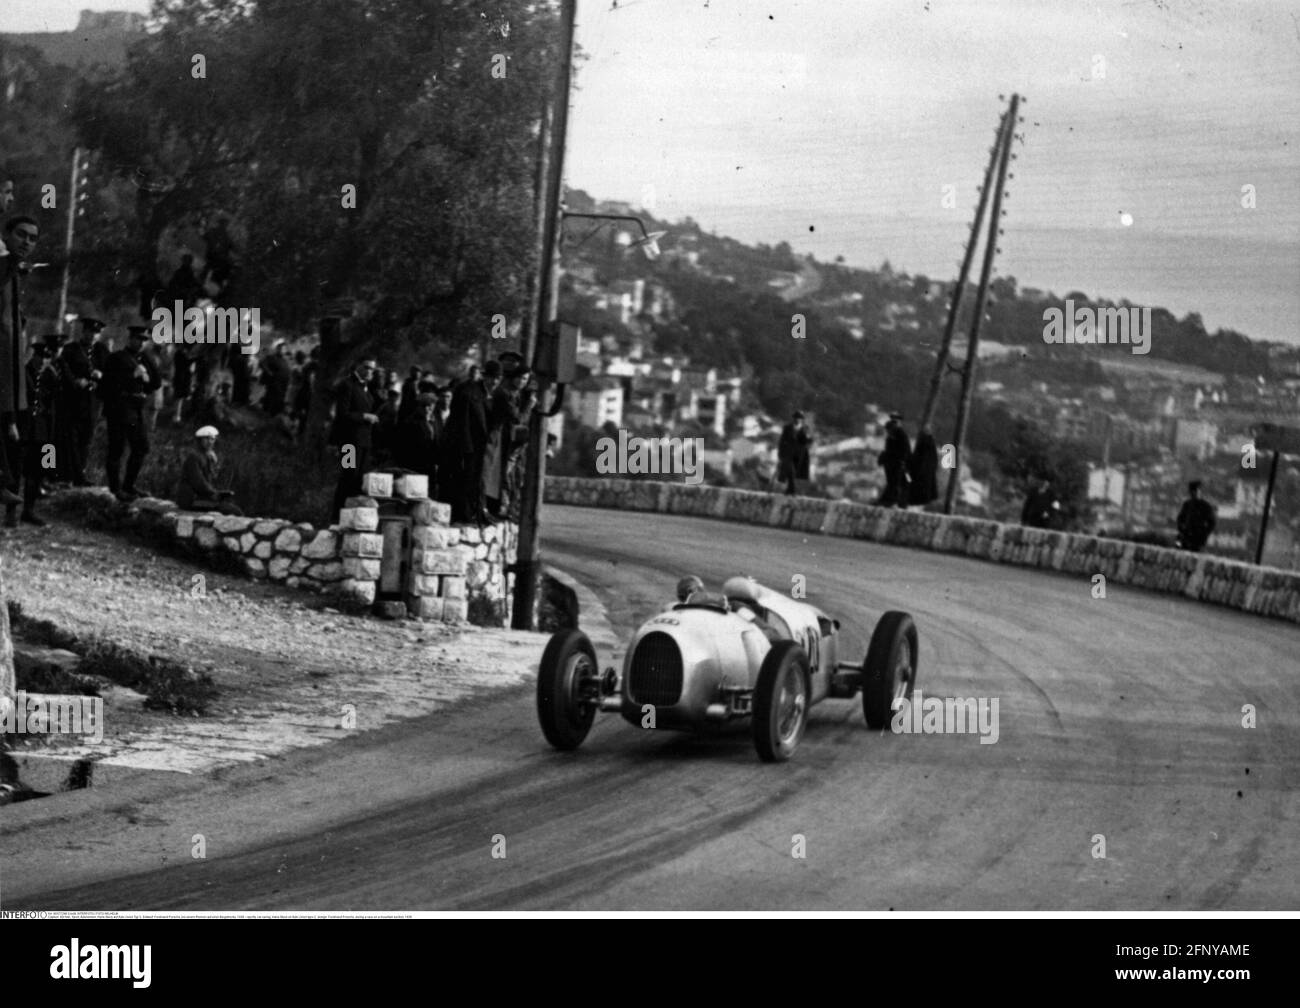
[747, 652]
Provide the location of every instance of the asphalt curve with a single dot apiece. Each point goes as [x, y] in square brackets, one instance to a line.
[1124, 775]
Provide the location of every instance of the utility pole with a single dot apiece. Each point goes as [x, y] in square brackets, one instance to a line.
[972, 349]
[528, 553]
[73, 199]
[1268, 505]
[941, 361]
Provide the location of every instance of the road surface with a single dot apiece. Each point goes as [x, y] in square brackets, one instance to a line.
[1120, 734]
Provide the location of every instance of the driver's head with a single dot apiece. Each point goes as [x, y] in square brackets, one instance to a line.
[687, 585]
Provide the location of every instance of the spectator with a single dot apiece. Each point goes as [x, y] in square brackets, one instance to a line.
[386, 429]
[196, 489]
[275, 378]
[923, 468]
[20, 234]
[415, 440]
[410, 392]
[1196, 520]
[503, 417]
[354, 416]
[894, 460]
[75, 415]
[792, 453]
[36, 424]
[304, 388]
[219, 251]
[467, 442]
[129, 378]
[182, 377]
[1042, 507]
[184, 286]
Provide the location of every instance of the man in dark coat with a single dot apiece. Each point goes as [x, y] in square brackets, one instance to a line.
[894, 460]
[793, 453]
[410, 394]
[36, 426]
[923, 468]
[467, 442]
[196, 489]
[415, 440]
[75, 414]
[130, 377]
[276, 373]
[20, 234]
[1196, 519]
[1042, 507]
[354, 416]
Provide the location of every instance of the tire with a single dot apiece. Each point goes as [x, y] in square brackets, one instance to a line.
[889, 670]
[565, 719]
[781, 702]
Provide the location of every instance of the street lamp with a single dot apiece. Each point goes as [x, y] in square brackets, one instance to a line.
[648, 242]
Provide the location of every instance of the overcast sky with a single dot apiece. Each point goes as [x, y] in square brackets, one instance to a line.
[756, 117]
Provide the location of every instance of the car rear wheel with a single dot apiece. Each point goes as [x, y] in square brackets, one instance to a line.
[889, 671]
[781, 702]
[563, 706]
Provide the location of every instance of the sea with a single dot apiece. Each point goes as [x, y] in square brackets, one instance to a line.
[1247, 284]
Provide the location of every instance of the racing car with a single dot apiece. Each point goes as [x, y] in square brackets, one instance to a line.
[747, 652]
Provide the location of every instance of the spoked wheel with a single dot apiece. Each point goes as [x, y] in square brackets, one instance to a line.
[889, 671]
[781, 702]
[565, 706]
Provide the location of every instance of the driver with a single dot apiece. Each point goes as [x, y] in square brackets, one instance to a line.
[688, 586]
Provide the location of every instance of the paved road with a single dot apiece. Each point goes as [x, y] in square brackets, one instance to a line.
[1119, 717]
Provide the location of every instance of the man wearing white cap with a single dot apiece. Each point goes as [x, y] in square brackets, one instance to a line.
[196, 489]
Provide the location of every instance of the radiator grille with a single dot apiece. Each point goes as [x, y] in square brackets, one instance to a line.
[656, 670]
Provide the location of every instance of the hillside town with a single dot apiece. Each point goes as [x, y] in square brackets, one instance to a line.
[1144, 426]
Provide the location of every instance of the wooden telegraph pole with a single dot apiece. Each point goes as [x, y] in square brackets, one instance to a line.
[528, 554]
[941, 361]
[972, 349]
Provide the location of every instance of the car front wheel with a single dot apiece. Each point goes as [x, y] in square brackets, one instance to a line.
[563, 706]
[781, 702]
[889, 671]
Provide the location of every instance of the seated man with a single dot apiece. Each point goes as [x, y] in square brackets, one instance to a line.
[195, 490]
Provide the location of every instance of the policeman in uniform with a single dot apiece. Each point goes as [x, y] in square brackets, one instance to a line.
[129, 378]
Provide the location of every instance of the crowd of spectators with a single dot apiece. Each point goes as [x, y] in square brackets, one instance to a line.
[466, 435]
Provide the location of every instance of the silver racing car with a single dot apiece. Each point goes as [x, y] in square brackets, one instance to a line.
[747, 652]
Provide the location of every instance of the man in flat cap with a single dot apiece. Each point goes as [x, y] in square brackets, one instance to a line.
[196, 490]
[129, 379]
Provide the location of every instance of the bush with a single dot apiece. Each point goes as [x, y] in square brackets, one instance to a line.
[273, 476]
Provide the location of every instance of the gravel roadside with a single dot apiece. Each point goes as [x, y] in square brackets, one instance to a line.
[291, 672]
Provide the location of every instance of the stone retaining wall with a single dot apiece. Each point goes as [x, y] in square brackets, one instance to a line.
[454, 571]
[1265, 591]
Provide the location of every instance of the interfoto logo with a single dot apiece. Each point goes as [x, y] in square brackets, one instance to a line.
[1087, 325]
[922, 715]
[642, 456]
[220, 326]
[51, 714]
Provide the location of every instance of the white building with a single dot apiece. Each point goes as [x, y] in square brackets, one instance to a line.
[596, 401]
[1106, 484]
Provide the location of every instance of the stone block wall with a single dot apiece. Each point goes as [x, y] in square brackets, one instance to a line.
[453, 570]
[1265, 591]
